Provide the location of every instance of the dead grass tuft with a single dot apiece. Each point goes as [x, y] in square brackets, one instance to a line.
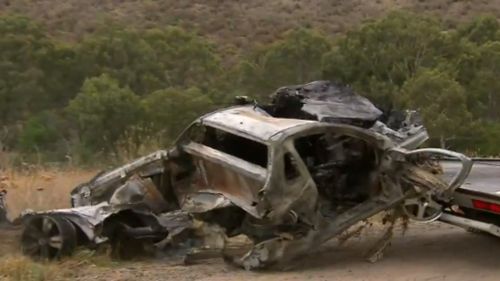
[19, 268]
[15, 267]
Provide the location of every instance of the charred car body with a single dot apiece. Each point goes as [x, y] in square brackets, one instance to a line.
[289, 176]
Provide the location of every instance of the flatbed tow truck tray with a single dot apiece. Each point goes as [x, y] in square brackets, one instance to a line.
[478, 198]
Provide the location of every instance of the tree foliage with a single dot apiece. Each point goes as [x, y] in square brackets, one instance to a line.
[382, 55]
[151, 60]
[41, 132]
[294, 59]
[170, 110]
[23, 45]
[120, 87]
[441, 101]
[480, 30]
[479, 73]
[103, 112]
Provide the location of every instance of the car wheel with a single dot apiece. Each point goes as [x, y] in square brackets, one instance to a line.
[48, 237]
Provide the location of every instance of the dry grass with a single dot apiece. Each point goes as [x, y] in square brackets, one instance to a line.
[19, 268]
[15, 267]
[40, 189]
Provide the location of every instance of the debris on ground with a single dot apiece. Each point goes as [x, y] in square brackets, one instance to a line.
[287, 176]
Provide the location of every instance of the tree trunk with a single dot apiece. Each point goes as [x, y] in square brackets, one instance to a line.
[442, 142]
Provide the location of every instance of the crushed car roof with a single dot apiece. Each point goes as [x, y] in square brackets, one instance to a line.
[252, 121]
[324, 101]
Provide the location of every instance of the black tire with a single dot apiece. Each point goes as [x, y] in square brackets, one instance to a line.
[48, 237]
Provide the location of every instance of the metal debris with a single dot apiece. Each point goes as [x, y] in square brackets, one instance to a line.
[287, 176]
[332, 102]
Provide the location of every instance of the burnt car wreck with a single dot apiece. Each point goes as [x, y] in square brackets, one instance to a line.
[289, 176]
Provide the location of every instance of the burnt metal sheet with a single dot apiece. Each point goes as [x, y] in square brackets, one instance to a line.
[331, 102]
[139, 190]
[92, 219]
[229, 161]
[87, 218]
[324, 101]
[220, 173]
[200, 202]
[250, 121]
[102, 186]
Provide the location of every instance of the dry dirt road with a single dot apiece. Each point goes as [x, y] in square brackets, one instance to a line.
[426, 252]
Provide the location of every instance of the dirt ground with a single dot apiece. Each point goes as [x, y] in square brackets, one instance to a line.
[426, 252]
[433, 251]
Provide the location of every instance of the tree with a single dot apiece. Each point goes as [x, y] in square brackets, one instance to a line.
[63, 75]
[103, 112]
[186, 59]
[294, 59]
[36, 75]
[22, 45]
[382, 55]
[44, 134]
[441, 101]
[486, 141]
[170, 110]
[478, 72]
[480, 30]
[151, 60]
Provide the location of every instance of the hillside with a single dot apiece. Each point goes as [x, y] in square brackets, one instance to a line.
[94, 79]
[229, 22]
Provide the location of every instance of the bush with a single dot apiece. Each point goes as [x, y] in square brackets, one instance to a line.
[103, 112]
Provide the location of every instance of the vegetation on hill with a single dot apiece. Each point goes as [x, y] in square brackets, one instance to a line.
[120, 89]
[234, 25]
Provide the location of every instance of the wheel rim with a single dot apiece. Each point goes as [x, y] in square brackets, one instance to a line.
[422, 209]
[48, 237]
